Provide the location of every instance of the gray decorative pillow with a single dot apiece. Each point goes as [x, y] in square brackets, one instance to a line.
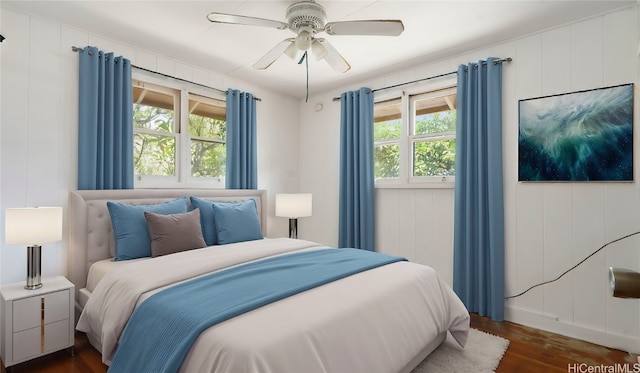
[173, 233]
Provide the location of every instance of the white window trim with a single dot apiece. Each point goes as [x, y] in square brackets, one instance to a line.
[183, 177]
[434, 87]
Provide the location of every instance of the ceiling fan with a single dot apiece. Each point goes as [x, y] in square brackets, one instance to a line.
[307, 18]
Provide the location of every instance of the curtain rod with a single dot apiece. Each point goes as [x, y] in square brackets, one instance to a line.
[495, 62]
[80, 50]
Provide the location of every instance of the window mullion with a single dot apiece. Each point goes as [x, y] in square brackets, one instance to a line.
[146, 131]
[405, 143]
[387, 142]
[184, 145]
[434, 136]
[206, 139]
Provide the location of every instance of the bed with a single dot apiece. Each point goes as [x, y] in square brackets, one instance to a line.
[385, 319]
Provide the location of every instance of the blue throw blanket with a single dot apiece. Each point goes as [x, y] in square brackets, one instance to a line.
[162, 329]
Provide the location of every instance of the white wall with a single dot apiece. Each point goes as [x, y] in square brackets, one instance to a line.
[549, 226]
[38, 126]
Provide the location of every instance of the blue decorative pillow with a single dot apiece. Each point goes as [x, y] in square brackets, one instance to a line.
[206, 219]
[236, 222]
[130, 227]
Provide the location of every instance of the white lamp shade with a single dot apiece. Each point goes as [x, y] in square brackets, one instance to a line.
[293, 206]
[33, 225]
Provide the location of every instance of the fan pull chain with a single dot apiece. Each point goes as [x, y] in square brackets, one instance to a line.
[305, 58]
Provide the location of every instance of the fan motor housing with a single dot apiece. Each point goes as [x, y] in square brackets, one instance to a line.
[306, 14]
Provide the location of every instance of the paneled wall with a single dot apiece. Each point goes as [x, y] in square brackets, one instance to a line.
[38, 132]
[420, 229]
[549, 226]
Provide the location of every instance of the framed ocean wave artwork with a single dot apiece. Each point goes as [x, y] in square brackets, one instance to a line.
[577, 137]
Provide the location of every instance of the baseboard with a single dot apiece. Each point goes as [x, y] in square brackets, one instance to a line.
[552, 324]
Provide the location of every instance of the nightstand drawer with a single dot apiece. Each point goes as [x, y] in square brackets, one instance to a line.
[29, 343]
[27, 313]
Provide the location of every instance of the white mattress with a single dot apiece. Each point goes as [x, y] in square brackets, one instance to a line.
[96, 272]
[100, 268]
[401, 312]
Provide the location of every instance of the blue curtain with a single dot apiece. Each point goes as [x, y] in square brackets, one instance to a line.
[242, 159]
[105, 121]
[357, 193]
[478, 270]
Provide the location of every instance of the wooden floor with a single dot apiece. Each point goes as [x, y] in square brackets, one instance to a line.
[534, 350]
[530, 350]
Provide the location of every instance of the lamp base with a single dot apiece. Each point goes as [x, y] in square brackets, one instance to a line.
[624, 283]
[33, 267]
[293, 228]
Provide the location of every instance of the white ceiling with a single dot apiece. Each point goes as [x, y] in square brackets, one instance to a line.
[433, 30]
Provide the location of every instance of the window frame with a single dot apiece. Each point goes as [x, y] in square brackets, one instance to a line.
[406, 180]
[182, 177]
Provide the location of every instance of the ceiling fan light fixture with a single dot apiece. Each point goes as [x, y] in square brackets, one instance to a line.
[303, 40]
[292, 51]
[318, 50]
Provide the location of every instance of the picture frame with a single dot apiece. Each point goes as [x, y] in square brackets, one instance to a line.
[580, 136]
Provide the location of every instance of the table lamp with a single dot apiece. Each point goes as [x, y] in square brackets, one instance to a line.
[625, 283]
[293, 206]
[33, 226]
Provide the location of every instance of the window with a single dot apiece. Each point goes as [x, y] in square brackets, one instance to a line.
[415, 138]
[179, 136]
[207, 134]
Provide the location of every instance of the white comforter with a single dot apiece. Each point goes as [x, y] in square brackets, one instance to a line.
[374, 321]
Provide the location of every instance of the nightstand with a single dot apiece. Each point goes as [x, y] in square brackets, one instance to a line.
[36, 322]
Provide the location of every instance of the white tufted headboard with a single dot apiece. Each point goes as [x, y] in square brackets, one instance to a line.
[90, 232]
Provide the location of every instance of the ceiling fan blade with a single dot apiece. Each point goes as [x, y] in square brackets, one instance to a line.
[273, 54]
[333, 58]
[390, 27]
[244, 20]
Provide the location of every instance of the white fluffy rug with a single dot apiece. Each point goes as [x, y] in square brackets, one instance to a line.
[481, 354]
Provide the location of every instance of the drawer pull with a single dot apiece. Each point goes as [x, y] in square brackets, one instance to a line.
[42, 324]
